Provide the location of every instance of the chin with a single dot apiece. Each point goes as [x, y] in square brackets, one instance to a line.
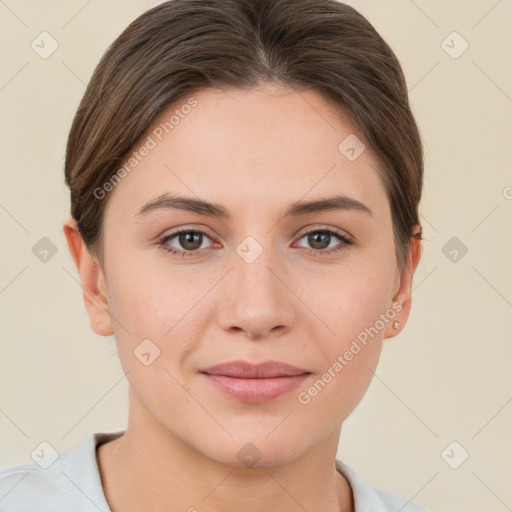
[252, 448]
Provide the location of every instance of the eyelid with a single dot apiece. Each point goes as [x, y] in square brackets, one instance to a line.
[177, 231]
[315, 228]
[185, 229]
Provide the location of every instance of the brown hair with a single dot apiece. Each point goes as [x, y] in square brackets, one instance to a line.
[183, 46]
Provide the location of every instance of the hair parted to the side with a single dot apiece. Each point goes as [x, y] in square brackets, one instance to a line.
[184, 46]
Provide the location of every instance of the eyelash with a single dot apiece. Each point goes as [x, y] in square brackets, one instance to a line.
[345, 241]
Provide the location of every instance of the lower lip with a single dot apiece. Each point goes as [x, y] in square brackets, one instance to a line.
[256, 391]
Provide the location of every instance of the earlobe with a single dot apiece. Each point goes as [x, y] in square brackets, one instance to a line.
[403, 294]
[92, 280]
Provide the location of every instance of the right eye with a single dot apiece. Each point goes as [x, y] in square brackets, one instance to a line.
[190, 240]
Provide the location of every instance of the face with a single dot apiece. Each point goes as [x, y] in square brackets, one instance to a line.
[248, 279]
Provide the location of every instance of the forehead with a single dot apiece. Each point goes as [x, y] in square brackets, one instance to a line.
[252, 145]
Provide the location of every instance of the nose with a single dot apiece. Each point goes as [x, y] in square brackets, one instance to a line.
[256, 298]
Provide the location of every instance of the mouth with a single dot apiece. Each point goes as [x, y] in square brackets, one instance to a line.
[255, 383]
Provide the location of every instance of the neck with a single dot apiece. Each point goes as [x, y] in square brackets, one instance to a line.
[149, 468]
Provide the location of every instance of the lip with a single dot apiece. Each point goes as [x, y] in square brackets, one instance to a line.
[255, 383]
[245, 370]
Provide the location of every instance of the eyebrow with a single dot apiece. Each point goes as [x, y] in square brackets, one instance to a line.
[336, 202]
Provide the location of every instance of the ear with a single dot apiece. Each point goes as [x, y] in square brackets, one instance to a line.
[92, 279]
[404, 287]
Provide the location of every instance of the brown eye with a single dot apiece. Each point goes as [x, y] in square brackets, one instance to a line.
[187, 242]
[318, 240]
[190, 240]
[325, 241]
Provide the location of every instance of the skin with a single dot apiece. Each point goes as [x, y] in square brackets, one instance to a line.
[254, 152]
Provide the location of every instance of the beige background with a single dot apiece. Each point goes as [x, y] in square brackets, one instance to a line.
[446, 378]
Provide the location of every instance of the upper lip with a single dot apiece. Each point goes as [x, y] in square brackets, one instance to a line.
[245, 370]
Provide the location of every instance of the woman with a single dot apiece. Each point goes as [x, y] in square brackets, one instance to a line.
[245, 178]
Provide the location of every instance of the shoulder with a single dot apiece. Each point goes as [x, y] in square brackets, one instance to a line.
[63, 482]
[370, 499]
[26, 487]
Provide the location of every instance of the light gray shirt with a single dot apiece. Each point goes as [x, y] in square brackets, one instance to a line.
[72, 483]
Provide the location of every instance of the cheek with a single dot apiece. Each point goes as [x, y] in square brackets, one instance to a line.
[354, 308]
[153, 301]
[350, 351]
[163, 305]
[151, 331]
[333, 395]
[350, 300]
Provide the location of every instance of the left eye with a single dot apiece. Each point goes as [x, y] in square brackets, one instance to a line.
[320, 240]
